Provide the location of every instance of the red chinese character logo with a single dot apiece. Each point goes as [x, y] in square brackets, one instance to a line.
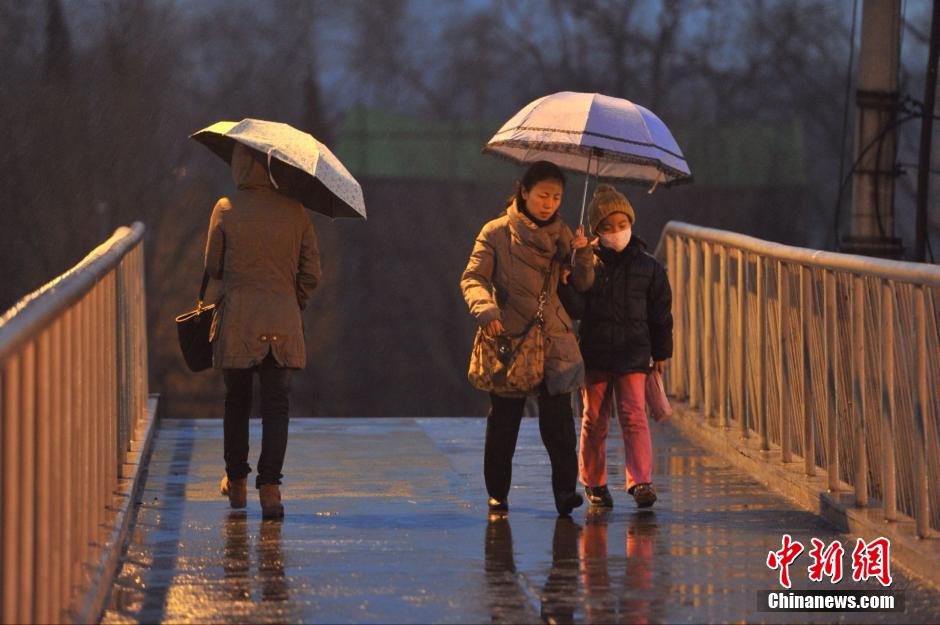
[784, 558]
[872, 560]
[828, 562]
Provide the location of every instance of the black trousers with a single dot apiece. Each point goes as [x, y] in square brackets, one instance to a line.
[556, 425]
[275, 402]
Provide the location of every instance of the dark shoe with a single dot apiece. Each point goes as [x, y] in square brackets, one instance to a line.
[271, 507]
[566, 503]
[644, 495]
[237, 491]
[599, 496]
[498, 506]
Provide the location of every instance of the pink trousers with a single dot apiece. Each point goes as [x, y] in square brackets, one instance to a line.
[629, 394]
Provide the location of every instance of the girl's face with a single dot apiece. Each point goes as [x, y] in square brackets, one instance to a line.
[614, 223]
[544, 198]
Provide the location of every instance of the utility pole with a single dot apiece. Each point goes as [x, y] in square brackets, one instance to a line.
[871, 230]
[926, 134]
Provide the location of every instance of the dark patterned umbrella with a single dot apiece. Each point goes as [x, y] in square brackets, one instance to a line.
[299, 165]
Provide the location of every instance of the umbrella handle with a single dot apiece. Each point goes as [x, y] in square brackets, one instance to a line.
[587, 178]
[659, 178]
[270, 173]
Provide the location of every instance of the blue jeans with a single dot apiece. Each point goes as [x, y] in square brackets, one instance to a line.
[275, 402]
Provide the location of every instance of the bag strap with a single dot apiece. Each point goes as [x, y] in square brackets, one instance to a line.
[543, 296]
[202, 289]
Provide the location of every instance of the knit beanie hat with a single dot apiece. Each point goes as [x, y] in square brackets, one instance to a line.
[607, 201]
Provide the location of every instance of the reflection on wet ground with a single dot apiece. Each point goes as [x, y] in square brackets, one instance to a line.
[387, 522]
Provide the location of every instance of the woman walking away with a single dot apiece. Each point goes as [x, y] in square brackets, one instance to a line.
[263, 247]
[518, 254]
[625, 332]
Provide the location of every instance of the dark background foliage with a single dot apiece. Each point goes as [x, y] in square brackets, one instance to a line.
[100, 97]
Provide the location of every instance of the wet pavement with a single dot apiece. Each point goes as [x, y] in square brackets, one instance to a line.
[386, 522]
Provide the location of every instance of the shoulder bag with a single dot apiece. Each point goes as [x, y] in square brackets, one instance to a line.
[193, 329]
[505, 364]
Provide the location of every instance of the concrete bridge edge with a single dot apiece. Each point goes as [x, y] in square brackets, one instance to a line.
[91, 605]
[919, 557]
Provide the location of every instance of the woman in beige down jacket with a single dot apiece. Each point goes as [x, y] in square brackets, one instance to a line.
[512, 255]
[263, 247]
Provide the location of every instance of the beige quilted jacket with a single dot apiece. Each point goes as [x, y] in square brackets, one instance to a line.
[505, 275]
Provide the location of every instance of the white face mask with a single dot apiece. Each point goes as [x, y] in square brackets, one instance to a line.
[617, 240]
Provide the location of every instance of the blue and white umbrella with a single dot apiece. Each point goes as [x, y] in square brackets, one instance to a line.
[610, 138]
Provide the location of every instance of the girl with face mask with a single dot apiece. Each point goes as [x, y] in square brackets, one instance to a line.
[625, 333]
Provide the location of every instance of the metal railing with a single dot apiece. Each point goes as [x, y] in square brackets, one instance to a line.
[830, 357]
[73, 357]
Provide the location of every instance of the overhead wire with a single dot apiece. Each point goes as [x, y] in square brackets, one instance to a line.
[845, 116]
[877, 139]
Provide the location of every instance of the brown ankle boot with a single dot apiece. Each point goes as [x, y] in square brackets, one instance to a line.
[271, 507]
[237, 491]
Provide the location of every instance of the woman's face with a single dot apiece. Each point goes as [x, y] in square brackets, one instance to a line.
[543, 199]
[614, 223]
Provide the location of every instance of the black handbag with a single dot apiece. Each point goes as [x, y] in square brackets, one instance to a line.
[193, 329]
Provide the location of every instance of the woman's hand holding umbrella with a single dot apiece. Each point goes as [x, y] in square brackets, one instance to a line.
[578, 242]
[579, 239]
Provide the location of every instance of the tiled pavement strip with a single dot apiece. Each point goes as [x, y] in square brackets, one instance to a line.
[386, 522]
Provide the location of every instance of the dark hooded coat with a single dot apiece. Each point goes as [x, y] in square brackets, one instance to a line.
[263, 247]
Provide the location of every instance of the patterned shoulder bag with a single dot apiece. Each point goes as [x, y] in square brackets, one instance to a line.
[505, 364]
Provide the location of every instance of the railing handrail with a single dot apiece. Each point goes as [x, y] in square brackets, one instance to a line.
[825, 354]
[73, 394]
[900, 271]
[38, 309]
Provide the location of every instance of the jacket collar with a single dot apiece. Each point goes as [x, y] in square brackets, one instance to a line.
[542, 238]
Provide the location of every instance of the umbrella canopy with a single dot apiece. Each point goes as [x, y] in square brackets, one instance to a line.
[299, 165]
[611, 138]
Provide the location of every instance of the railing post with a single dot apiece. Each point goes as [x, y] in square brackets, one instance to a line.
[783, 324]
[741, 344]
[77, 413]
[723, 336]
[118, 453]
[708, 336]
[671, 275]
[43, 493]
[58, 486]
[761, 331]
[694, 345]
[97, 436]
[84, 430]
[26, 500]
[889, 472]
[806, 304]
[141, 323]
[860, 370]
[69, 378]
[921, 403]
[831, 368]
[680, 312]
[11, 527]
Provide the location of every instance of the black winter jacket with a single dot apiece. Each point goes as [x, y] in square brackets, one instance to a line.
[626, 316]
